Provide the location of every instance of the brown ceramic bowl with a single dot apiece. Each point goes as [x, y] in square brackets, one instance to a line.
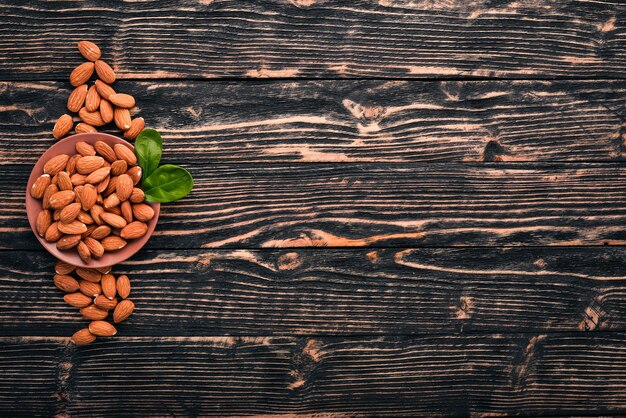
[34, 206]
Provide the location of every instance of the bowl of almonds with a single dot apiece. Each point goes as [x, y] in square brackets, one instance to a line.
[84, 203]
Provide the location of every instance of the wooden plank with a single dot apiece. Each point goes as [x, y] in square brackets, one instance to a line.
[347, 121]
[376, 205]
[451, 376]
[339, 292]
[312, 38]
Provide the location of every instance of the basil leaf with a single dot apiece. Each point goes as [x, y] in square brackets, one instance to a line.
[167, 183]
[148, 148]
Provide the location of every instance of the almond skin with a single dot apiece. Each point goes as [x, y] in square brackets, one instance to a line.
[66, 283]
[91, 275]
[111, 186]
[85, 218]
[105, 72]
[135, 174]
[52, 233]
[108, 286]
[106, 111]
[92, 101]
[88, 196]
[118, 167]
[88, 232]
[39, 186]
[111, 201]
[98, 175]
[63, 181]
[102, 329]
[77, 299]
[56, 164]
[61, 267]
[89, 164]
[124, 187]
[43, 222]
[123, 310]
[62, 126]
[81, 74]
[123, 286]
[85, 149]
[68, 241]
[116, 211]
[113, 243]
[125, 101]
[77, 98]
[104, 90]
[101, 232]
[137, 196]
[143, 212]
[124, 153]
[95, 213]
[89, 50]
[83, 252]
[50, 190]
[93, 313]
[91, 118]
[115, 221]
[122, 118]
[94, 246]
[72, 228]
[83, 337]
[61, 199]
[78, 179]
[70, 167]
[134, 230]
[90, 289]
[84, 128]
[103, 302]
[104, 270]
[69, 214]
[127, 211]
[136, 126]
[102, 186]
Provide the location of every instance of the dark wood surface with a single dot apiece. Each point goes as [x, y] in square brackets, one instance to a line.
[419, 211]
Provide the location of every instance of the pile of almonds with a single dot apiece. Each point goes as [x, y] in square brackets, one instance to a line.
[89, 200]
[95, 292]
[98, 104]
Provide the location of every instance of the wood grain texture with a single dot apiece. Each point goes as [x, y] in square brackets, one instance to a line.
[315, 38]
[347, 121]
[375, 205]
[338, 292]
[533, 374]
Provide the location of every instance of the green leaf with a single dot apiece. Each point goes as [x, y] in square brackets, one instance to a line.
[167, 183]
[148, 148]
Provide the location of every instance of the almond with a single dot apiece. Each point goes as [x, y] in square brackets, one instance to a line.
[102, 329]
[43, 222]
[84, 128]
[81, 74]
[56, 215]
[118, 167]
[61, 267]
[77, 98]
[72, 228]
[108, 286]
[94, 246]
[78, 179]
[98, 175]
[90, 289]
[115, 221]
[93, 313]
[67, 241]
[125, 101]
[113, 243]
[85, 149]
[99, 199]
[136, 126]
[63, 181]
[134, 230]
[88, 195]
[50, 190]
[88, 232]
[91, 275]
[68, 214]
[83, 252]
[77, 299]
[89, 164]
[52, 233]
[106, 111]
[123, 310]
[89, 50]
[143, 212]
[95, 212]
[104, 270]
[66, 283]
[127, 211]
[111, 186]
[70, 166]
[123, 286]
[105, 72]
[92, 101]
[124, 187]
[111, 201]
[122, 118]
[85, 218]
[103, 302]
[91, 118]
[137, 196]
[100, 232]
[124, 153]
[61, 199]
[40, 185]
[83, 337]
[104, 90]
[55, 164]
[114, 210]
[62, 126]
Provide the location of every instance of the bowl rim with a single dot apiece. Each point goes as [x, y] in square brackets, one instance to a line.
[70, 256]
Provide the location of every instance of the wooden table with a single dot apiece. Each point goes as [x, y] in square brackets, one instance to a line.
[402, 207]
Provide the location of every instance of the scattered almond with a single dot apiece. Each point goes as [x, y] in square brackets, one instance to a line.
[122, 100]
[108, 286]
[123, 310]
[91, 118]
[105, 72]
[62, 126]
[105, 303]
[93, 313]
[77, 299]
[136, 126]
[102, 329]
[83, 337]
[89, 50]
[81, 74]
[88, 274]
[104, 90]
[77, 98]
[83, 128]
[123, 286]
[92, 101]
[90, 289]
[66, 283]
[122, 118]
[62, 267]
[106, 111]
